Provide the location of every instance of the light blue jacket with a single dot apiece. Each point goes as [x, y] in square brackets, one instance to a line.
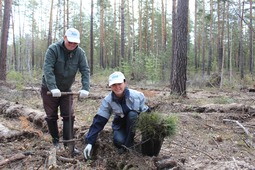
[134, 100]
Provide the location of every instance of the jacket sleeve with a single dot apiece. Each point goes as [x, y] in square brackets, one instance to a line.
[85, 71]
[143, 106]
[50, 60]
[98, 124]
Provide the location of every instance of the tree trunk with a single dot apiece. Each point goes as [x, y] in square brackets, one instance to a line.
[228, 38]
[80, 22]
[50, 25]
[173, 36]
[195, 38]
[32, 41]
[140, 7]
[91, 38]
[15, 60]
[129, 34]
[20, 43]
[211, 40]
[115, 61]
[145, 28]
[4, 38]
[1, 17]
[133, 31]
[163, 26]
[64, 17]
[57, 22]
[219, 46]
[67, 14]
[122, 41]
[203, 40]
[102, 50]
[230, 56]
[152, 28]
[251, 41]
[241, 42]
[180, 53]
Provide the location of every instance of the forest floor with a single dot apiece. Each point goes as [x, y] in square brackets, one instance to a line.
[216, 131]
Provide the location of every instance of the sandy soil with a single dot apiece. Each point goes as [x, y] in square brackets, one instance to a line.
[210, 134]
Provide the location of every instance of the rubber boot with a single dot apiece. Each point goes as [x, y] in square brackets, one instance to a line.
[68, 133]
[53, 130]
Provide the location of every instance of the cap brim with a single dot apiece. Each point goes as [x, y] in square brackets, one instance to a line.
[116, 82]
[74, 40]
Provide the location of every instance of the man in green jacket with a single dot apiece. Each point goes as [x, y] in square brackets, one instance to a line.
[62, 61]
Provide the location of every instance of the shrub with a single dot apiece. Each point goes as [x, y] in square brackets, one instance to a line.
[156, 125]
[154, 128]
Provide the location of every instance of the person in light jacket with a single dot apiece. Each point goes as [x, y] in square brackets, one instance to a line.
[126, 105]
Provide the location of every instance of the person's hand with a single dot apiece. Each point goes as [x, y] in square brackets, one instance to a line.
[87, 151]
[55, 93]
[83, 93]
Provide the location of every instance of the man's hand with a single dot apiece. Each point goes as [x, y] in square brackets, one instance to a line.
[87, 151]
[83, 94]
[55, 93]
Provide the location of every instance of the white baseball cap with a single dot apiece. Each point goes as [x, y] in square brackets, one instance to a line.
[73, 35]
[116, 77]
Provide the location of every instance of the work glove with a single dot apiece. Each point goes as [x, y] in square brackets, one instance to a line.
[87, 151]
[83, 94]
[55, 93]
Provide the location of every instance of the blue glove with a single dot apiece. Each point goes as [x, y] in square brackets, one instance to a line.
[55, 93]
[83, 93]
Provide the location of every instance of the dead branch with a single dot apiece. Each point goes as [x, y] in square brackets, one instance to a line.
[13, 158]
[52, 159]
[70, 140]
[166, 164]
[239, 124]
[249, 136]
[68, 160]
[14, 110]
[235, 163]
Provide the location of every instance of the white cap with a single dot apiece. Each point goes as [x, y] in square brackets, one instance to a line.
[73, 35]
[116, 77]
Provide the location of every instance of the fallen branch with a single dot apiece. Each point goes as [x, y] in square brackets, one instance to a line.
[248, 134]
[13, 158]
[166, 164]
[52, 159]
[239, 124]
[235, 163]
[70, 140]
[68, 160]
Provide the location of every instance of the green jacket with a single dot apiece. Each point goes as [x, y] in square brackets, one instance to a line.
[61, 66]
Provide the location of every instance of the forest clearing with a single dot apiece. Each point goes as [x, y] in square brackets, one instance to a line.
[151, 43]
[215, 131]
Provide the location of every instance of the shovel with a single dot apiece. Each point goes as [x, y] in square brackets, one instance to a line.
[69, 142]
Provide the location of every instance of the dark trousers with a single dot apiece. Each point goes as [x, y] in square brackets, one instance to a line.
[52, 104]
[125, 135]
